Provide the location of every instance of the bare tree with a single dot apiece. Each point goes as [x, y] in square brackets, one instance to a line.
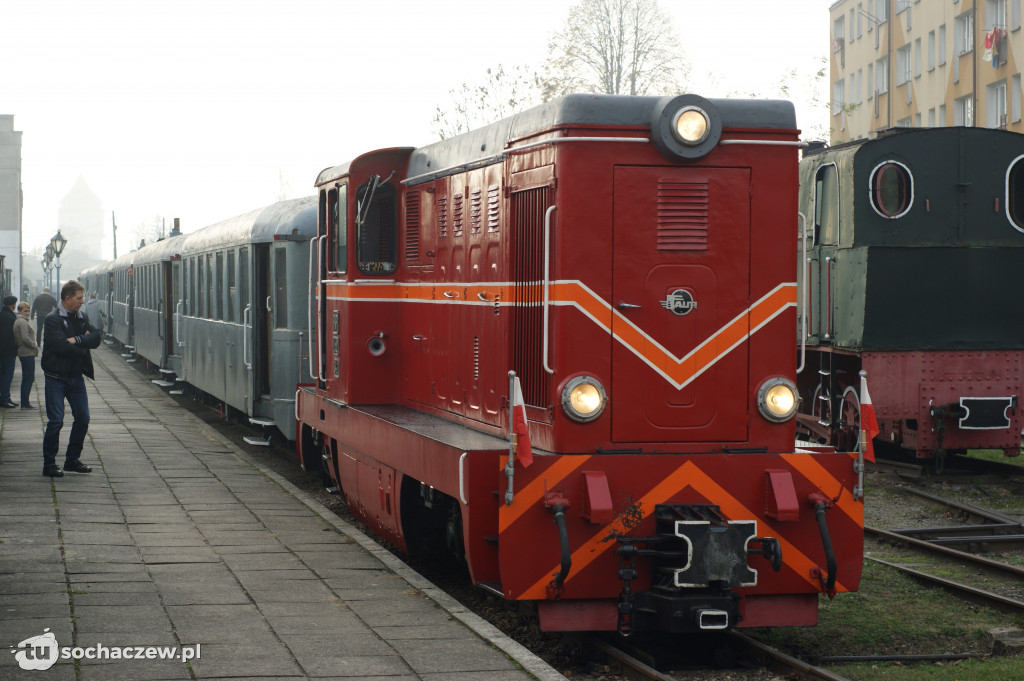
[499, 94]
[615, 47]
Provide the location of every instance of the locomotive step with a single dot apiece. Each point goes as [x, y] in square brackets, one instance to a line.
[256, 441]
[260, 421]
[162, 383]
[167, 372]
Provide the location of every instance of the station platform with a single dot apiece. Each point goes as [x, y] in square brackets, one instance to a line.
[180, 558]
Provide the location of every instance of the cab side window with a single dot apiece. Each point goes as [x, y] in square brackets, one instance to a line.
[337, 210]
[376, 227]
[826, 206]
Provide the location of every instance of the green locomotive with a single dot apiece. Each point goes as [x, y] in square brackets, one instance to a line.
[912, 270]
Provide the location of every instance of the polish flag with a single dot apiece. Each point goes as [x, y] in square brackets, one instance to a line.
[524, 450]
[868, 423]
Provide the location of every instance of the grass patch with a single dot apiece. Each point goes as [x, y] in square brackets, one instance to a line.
[894, 615]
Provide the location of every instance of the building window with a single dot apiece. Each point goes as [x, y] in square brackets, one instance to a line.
[882, 75]
[995, 14]
[917, 58]
[963, 112]
[1014, 15]
[871, 81]
[931, 117]
[882, 10]
[942, 115]
[995, 105]
[1015, 95]
[860, 84]
[902, 65]
[942, 45]
[891, 189]
[931, 50]
[838, 34]
[838, 97]
[905, 122]
[963, 33]
[860, 17]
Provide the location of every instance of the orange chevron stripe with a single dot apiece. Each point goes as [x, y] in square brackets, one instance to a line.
[687, 475]
[811, 468]
[679, 371]
[525, 498]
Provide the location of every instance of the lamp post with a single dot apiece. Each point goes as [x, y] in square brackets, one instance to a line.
[58, 242]
[49, 265]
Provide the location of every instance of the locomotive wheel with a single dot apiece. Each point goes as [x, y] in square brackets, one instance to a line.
[849, 421]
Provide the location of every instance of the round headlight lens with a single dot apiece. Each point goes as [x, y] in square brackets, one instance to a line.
[692, 125]
[777, 399]
[583, 398]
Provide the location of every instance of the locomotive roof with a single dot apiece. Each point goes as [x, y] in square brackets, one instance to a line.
[900, 133]
[481, 146]
[596, 110]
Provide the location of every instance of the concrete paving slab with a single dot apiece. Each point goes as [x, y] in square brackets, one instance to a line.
[177, 539]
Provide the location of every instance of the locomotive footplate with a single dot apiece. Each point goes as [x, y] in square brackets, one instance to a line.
[696, 558]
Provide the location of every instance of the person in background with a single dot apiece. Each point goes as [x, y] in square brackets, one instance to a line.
[42, 306]
[67, 340]
[8, 351]
[25, 335]
[94, 312]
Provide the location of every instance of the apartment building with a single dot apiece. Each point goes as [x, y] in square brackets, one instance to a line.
[924, 63]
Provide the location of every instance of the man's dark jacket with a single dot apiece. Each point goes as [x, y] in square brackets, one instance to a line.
[8, 343]
[62, 359]
[43, 304]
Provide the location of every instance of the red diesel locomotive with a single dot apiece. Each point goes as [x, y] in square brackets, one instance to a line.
[628, 262]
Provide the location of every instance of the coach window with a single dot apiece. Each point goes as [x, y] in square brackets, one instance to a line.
[280, 289]
[219, 288]
[232, 288]
[826, 205]
[337, 202]
[243, 278]
[1015, 194]
[376, 223]
[892, 189]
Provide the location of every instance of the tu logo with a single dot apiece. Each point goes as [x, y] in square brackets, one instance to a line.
[37, 653]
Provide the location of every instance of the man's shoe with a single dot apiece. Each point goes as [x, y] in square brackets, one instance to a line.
[53, 471]
[8, 405]
[29, 406]
[76, 467]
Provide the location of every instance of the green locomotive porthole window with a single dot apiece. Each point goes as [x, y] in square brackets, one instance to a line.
[892, 189]
[1015, 193]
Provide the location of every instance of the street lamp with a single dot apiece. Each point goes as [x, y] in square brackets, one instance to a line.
[58, 243]
[49, 264]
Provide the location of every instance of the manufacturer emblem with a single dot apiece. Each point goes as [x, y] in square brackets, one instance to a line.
[679, 302]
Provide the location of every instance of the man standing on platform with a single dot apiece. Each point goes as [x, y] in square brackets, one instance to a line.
[8, 351]
[67, 340]
[42, 306]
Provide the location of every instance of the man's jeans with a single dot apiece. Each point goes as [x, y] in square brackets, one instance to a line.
[6, 377]
[57, 390]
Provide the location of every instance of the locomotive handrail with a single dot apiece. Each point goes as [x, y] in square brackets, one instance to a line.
[803, 311]
[126, 299]
[321, 370]
[769, 143]
[246, 316]
[177, 327]
[159, 319]
[547, 283]
[313, 276]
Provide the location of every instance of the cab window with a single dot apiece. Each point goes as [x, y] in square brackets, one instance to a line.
[826, 206]
[376, 227]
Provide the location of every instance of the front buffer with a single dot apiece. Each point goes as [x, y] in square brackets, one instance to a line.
[681, 543]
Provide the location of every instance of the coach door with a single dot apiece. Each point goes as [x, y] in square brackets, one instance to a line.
[261, 323]
[177, 303]
[680, 275]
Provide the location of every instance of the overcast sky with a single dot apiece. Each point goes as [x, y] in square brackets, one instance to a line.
[205, 109]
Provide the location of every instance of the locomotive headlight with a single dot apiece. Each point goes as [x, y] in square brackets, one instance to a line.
[583, 398]
[692, 125]
[777, 399]
[685, 127]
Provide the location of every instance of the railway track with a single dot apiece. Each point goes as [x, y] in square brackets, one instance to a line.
[984, 580]
[633, 662]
